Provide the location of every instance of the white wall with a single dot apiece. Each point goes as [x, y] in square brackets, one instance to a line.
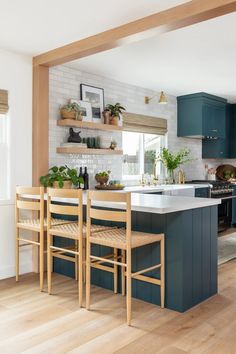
[16, 77]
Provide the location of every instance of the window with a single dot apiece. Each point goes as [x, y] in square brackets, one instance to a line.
[140, 154]
[4, 158]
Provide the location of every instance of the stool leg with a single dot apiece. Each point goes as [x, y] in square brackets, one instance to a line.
[17, 253]
[115, 271]
[84, 261]
[128, 286]
[41, 259]
[76, 261]
[162, 246]
[49, 264]
[88, 275]
[123, 272]
[80, 271]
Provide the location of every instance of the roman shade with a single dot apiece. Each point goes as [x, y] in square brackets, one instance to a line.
[3, 101]
[144, 124]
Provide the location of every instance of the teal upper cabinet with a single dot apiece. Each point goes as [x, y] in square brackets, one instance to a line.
[232, 132]
[219, 147]
[201, 115]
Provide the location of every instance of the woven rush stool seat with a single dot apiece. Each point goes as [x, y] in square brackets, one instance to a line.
[71, 229]
[116, 238]
[34, 224]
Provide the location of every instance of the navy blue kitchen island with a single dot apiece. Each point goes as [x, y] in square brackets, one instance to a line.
[190, 228]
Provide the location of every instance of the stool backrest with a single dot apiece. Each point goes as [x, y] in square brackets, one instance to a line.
[122, 215]
[30, 198]
[65, 196]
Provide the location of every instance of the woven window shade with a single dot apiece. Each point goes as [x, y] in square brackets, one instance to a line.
[144, 124]
[3, 101]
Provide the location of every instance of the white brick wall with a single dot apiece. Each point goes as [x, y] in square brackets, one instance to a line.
[65, 83]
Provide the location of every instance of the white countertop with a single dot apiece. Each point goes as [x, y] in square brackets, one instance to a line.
[149, 203]
[164, 187]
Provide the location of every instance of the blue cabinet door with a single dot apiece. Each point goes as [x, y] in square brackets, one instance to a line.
[215, 149]
[214, 119]
[201, 115]
[218, 148]
[232, 132]
[202, 192]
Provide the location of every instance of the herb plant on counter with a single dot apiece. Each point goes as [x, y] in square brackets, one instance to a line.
[172, 161]
[60, 175]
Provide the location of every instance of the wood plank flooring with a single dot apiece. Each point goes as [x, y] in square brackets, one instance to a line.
[33, 322]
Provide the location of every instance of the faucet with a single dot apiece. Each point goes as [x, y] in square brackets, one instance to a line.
[142, 181]
[181, 177]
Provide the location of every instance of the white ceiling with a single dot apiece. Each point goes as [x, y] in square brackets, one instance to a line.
[197, 58]
[36, 26]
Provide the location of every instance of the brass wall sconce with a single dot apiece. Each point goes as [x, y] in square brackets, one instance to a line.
[162, 98]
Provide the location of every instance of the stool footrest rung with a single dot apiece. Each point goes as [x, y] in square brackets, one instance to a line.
[102, 267]
[146, 270]
[28, 241]
[62, 256]
[64, 250]
[105, 260]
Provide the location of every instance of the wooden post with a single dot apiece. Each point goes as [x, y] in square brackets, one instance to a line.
[40, 122]
[40, 134]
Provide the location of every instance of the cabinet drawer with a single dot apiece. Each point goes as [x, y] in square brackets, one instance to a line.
[202, 192]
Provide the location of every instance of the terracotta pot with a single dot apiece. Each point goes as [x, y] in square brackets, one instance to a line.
[106, 116]
[114, 120]
[67, 185]
[102, 179]
[70, 115]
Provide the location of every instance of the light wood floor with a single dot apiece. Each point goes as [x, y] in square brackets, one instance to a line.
[33, 322]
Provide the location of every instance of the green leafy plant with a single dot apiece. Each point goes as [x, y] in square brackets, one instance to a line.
[113, 145]
[103, 174]
[69, 107]
[115, 109]
[60, 175]
[172, 161]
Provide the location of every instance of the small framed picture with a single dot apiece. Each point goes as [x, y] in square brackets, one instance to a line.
[95, 96]
[86, 109]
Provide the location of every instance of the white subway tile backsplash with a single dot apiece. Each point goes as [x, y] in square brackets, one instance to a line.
[65, 84]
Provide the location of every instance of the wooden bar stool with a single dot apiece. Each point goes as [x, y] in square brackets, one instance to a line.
[75, 230]
[31, 199]
[123, 239]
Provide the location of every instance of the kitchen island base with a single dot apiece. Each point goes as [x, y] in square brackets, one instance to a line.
[190, 258]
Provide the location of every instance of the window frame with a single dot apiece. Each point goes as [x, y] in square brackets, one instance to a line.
[5, 199]
[142, 157]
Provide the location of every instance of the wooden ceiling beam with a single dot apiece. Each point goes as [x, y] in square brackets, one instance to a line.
[176, 17]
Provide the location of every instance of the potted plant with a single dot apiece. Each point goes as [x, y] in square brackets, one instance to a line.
[102, 177]
[61, 177]
[106, 115]
[172, 161]
[113, 145]
[71, 111]
[115, 111]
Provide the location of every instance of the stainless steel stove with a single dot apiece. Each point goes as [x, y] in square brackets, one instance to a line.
[224, 191]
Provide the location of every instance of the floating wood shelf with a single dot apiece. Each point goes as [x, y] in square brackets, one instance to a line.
[87, 125]
[86, 151]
